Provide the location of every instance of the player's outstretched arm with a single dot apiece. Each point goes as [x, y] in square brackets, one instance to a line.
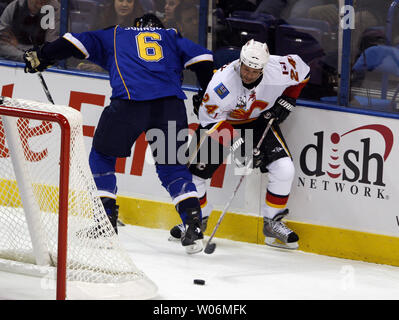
[40, 58]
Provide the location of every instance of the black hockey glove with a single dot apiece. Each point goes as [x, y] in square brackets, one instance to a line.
[197, 100]
[282, 108]
[34, 62]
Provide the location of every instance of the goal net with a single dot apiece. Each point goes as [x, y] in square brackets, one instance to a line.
[52, 223]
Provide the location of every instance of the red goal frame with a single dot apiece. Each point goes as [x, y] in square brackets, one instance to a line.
[64, 184]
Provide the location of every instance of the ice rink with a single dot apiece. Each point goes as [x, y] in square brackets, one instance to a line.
[235, 271]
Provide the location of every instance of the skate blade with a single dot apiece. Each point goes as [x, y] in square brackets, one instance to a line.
[196, 247]
[172, 238]
[273, 242]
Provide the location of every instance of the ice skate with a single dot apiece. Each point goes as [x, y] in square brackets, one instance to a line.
[277, 234]
[177, 231]
[192, 237]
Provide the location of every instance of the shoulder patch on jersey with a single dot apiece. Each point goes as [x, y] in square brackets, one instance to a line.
[221, 90]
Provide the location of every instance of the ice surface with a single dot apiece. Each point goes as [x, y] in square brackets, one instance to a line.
[235, 271]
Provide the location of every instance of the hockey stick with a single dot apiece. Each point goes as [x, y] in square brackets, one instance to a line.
[45, 88]
[210, 247]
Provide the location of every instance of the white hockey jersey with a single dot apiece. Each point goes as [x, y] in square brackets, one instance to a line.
[227, 99]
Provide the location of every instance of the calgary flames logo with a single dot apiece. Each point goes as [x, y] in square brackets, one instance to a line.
[242, 114]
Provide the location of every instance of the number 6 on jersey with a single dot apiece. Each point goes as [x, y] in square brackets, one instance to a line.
[147, 47]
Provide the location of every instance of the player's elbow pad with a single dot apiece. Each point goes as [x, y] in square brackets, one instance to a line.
[61, 49]
[203, 71]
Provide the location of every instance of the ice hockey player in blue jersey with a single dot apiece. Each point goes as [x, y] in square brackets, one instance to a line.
[145, 64]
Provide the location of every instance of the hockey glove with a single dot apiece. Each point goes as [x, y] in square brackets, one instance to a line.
[236, 152]
[282, 108]
[197, 100]
[34, 62]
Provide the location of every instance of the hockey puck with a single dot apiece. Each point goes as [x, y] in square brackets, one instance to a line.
[199, 281]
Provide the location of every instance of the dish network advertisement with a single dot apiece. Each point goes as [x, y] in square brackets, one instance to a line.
[346, 170]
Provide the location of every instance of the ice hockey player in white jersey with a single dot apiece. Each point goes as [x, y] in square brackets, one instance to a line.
[239, 99]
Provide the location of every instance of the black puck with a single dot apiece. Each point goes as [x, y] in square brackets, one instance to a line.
[199, 281]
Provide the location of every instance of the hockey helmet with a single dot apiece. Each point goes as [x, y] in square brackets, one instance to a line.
[255, 54]
[148, 20]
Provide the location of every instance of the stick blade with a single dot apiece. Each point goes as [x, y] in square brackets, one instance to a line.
[210, 248]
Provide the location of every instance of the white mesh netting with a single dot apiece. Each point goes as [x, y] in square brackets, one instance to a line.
[96, 262]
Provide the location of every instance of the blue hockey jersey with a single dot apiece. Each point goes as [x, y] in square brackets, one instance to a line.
[143, 63]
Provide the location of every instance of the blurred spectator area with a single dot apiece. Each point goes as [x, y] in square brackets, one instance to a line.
[3, 5]
[148, 5]
[84, 14]
[310, 29]
[375, 69]
[315, 41]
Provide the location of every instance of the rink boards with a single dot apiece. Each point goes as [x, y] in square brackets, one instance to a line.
[343, 201]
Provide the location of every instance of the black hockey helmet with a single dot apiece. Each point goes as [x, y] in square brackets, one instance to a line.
[148, 20]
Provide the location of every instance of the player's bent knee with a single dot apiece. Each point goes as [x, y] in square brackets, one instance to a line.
[100, 163]
[177, 180]
[282, 168]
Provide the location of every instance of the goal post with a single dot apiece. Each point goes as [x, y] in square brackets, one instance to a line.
[52, 223]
